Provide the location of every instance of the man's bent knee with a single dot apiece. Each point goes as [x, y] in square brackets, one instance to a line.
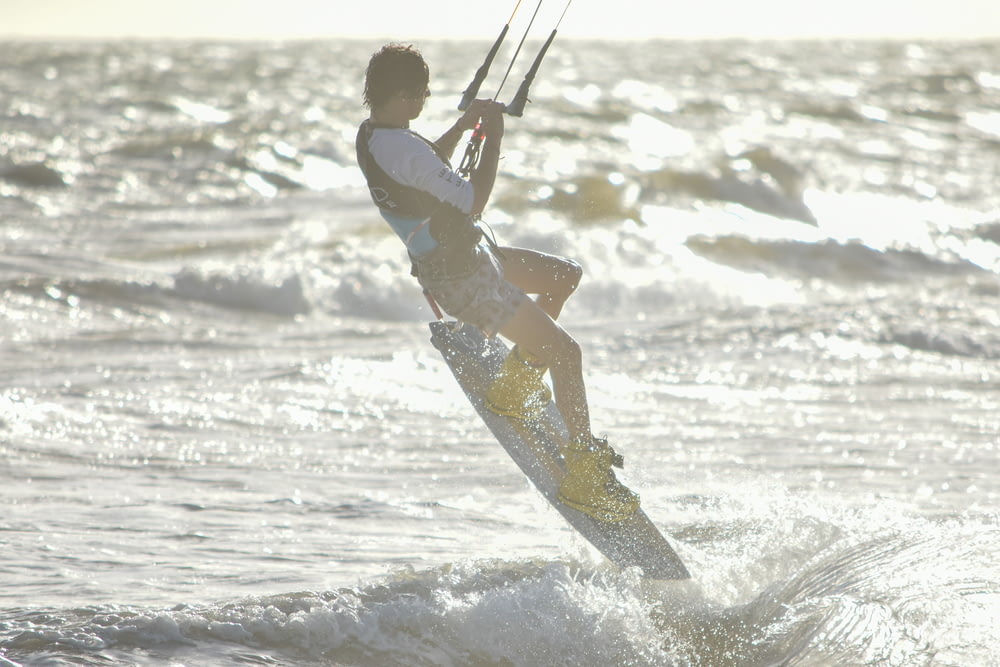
[569, 276]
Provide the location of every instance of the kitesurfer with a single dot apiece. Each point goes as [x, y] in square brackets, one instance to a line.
[434, 211]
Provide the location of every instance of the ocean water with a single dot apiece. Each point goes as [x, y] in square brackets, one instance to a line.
[226, 438]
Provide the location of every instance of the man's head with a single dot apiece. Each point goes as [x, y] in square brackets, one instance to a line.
[395, 70]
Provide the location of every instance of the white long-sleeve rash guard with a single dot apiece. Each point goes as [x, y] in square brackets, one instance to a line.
[409, 160]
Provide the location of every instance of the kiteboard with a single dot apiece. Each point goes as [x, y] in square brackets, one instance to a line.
[534, 446]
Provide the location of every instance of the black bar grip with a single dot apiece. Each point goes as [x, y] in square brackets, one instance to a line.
[484, 69]
[516, 106]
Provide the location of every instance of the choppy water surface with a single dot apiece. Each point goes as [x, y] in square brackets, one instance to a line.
[226, 439]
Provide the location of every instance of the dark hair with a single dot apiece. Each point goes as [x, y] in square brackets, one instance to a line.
[392, 69]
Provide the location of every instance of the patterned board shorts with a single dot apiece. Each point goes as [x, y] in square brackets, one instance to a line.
[481, 298]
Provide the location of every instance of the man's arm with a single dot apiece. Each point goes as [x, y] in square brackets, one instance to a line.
[448, 141]
[485, 175]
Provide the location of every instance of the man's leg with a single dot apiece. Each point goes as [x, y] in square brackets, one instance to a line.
[589, 484]
[532, 329]
[552, 278]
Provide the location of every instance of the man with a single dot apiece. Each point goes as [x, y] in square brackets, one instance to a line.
[434, 211]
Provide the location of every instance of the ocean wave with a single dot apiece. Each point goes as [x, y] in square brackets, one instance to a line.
[926, 113]
[244, 291]
[34, 175]
[286, 167]
[587, 198]
[834, 598]
[172, 144]
[467, 613]
[989, 232]
[947, 83]
[844, 609]
[753, 192]
[755, 178]
[844, 262]
[247, 288]
[944, 339]
[837, 111]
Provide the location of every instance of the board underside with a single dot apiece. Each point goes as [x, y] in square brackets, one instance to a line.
[534, 446]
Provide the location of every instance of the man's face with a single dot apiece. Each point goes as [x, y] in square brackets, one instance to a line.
[415, 100]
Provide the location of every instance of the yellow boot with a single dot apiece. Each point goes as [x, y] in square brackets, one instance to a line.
[518, 390]
[590, 485]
